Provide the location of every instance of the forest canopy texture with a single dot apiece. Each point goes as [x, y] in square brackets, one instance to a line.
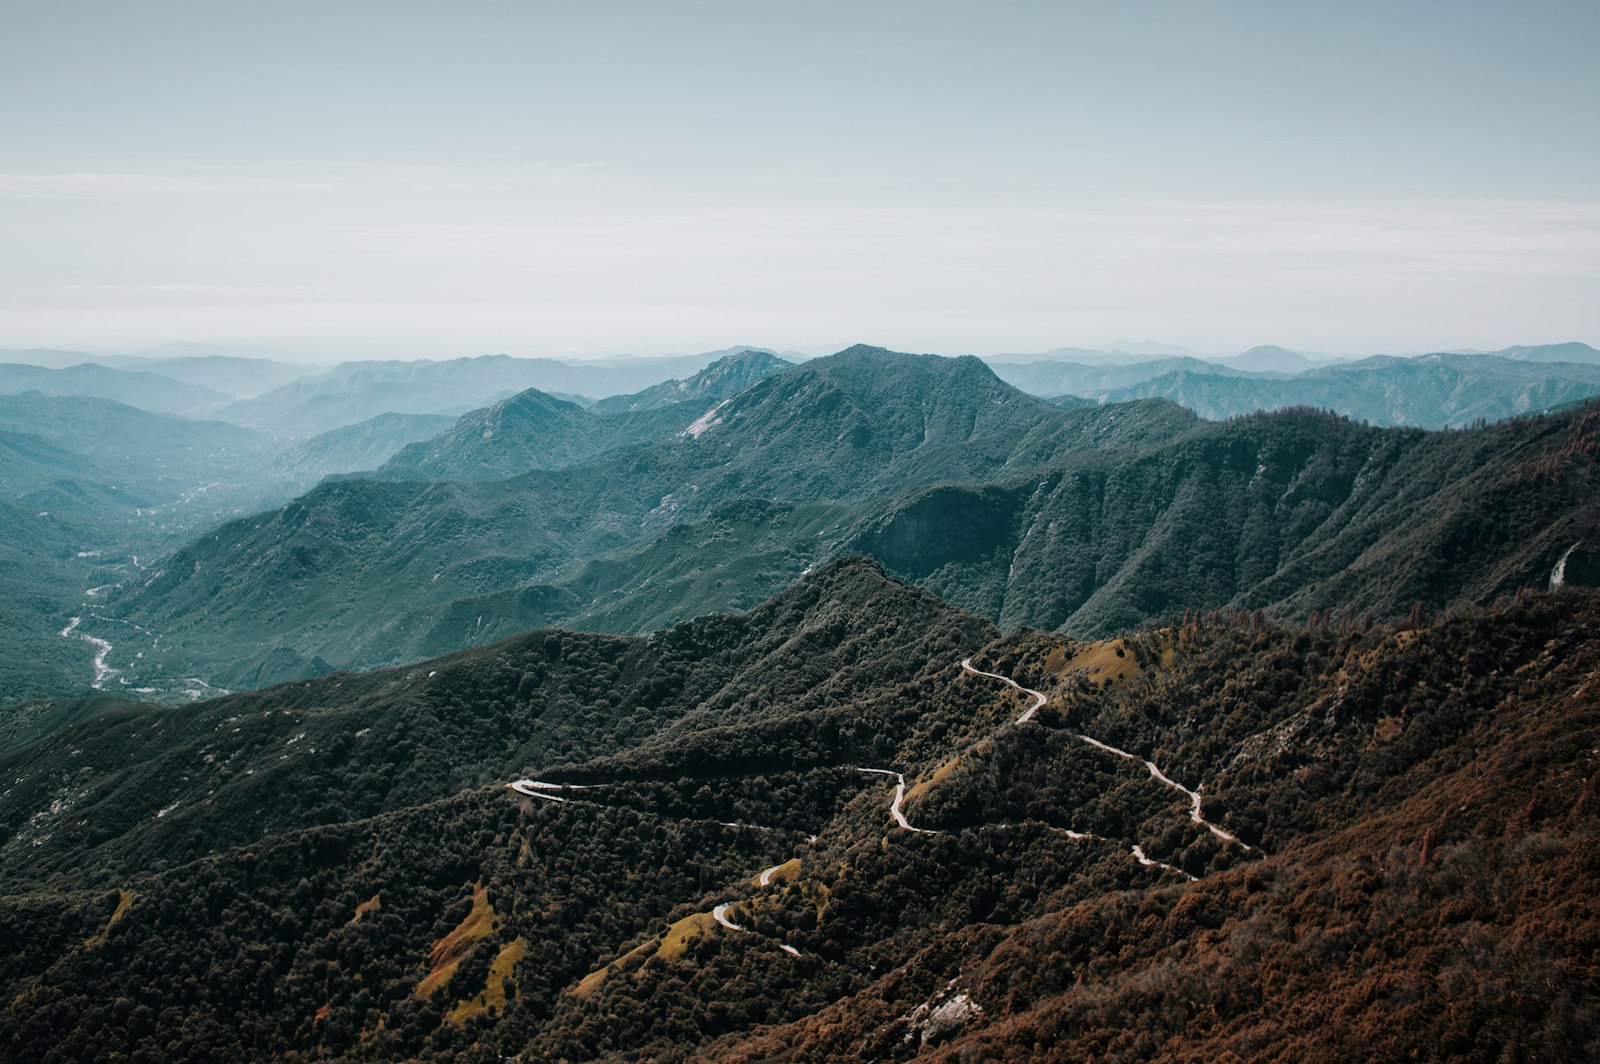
[1358, 841]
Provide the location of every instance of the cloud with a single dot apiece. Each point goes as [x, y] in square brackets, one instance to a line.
[1185, 242]
[636, 261]
[202, 289]
[114, 184]
[315, 177]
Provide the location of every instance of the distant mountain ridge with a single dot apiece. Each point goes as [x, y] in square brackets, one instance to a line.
[142, 389]
[355, 391]
[722, 379]
[1089, 519]
[102, 425]
[1568, 352]
[1428, 391]
[1269, 358]
[302, 400]
[1050, 379]
[230, 375]
[533, 430]
[1442, 390]
[365, 445]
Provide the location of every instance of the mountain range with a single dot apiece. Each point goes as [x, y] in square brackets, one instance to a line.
[132, 485]
[299, 401]
[831, 828]
[1428, 391]
[356, 391]
[1088, 521]
[861, 708]
[139, 388]
[533, 430]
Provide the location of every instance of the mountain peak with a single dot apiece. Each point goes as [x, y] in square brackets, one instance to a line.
[861, 350]
[1572, 351]
[722, 379]
[529, 430]
[1269, 358]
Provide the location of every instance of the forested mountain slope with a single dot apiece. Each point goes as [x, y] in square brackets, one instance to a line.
[546, 696]
[533, 430]
[366, 571]
[1088, 520]
[1428, 391]
[352, 448]
[1291, 512]
[337, 867]
[530, 430]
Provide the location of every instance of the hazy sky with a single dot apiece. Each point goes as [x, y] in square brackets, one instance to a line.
[443, 179]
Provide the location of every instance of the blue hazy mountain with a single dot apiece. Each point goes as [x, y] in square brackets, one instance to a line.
[139, 388]
[1092, 519]
[355, 391]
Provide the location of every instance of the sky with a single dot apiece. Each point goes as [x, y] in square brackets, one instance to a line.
[406, 180]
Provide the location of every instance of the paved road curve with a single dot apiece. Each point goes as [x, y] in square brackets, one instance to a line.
[1155, 772]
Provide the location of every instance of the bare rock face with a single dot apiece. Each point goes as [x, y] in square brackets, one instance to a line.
[1578, 567]
[941, 1016]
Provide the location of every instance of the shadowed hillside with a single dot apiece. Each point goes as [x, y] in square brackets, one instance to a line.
[336, 867]
[1088, 521]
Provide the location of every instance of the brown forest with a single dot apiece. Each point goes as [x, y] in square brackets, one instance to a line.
[1411, 806]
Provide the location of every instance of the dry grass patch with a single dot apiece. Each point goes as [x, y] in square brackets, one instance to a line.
[124, 900]
[452, 949]
[939, 775]
[364, 908]
[1104, 661]
[493, 994]
[682, 933]
[787, 872]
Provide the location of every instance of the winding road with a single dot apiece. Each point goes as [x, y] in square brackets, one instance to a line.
[1135, 849]
[1155, 772]
[899, 797]
[1038, 699]
[1139, 855]
[532, 788]
[540, 789]
[1193, 796]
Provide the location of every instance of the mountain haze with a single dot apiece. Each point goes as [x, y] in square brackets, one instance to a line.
[356, 391]
[138, 388]
[376, 568]
[722, 379]
[533, 430]
[1089, 520]
[1429, 391]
